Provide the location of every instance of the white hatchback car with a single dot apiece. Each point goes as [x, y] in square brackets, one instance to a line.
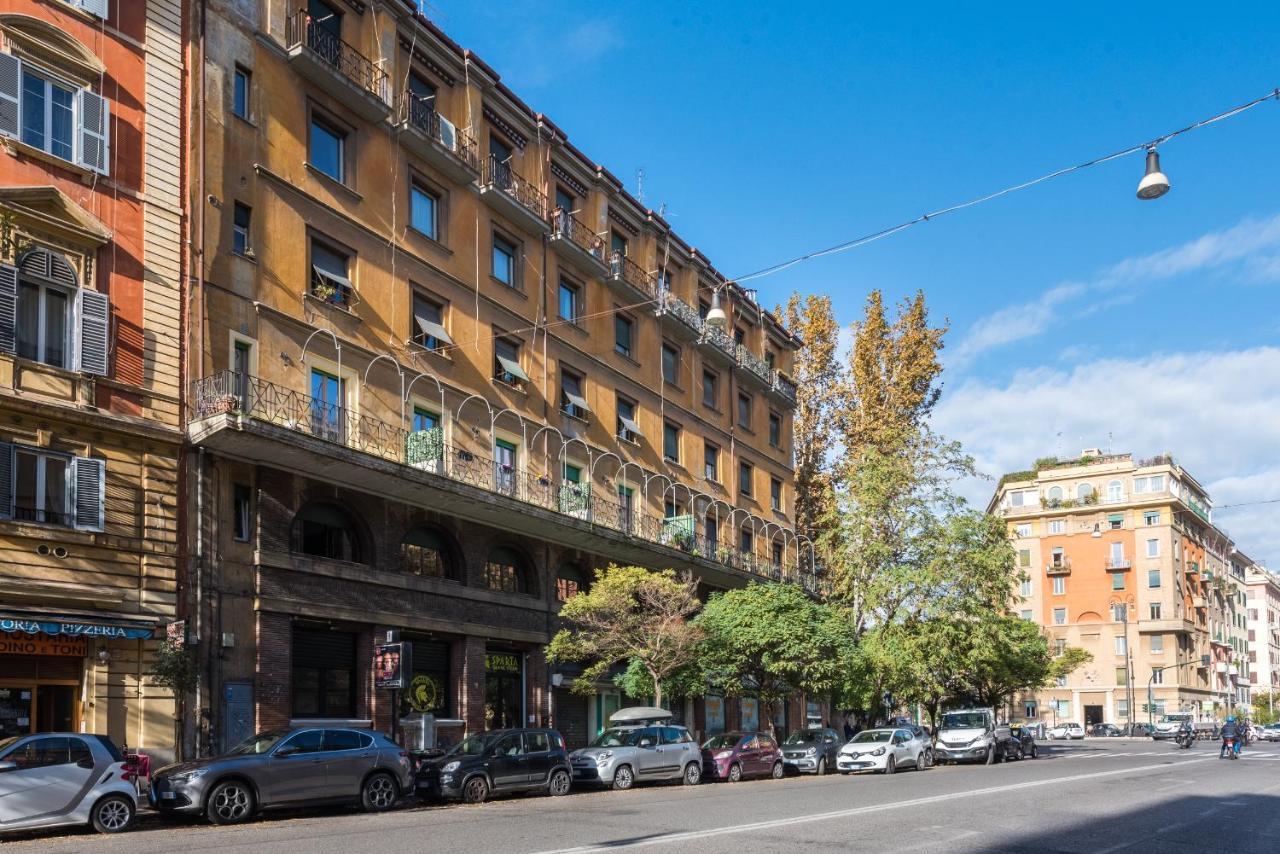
[884, 750]
[1067, 731]
[54, 779]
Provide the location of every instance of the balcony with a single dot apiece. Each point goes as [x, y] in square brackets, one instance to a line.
[1171, 626]
[630, 279]
[784, 387]
[1058, 567]
[1199, 603]
[1118, 564]
[437, 140]
[326, 60]
[254, 420]
[578, 243]
[755, 369]
[683, 317]
[717, 343]
[514, 196]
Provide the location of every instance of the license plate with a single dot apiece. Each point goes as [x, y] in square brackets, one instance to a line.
[168, 796]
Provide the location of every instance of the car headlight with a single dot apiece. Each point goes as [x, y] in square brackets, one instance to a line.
[602, 758]
[188, 776]
[724, 754]
[451, 766]
[812, 751]
[879, 751]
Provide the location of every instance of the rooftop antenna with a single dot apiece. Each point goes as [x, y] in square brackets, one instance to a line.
[1057, 451]
[1109, 443]
[640, 185]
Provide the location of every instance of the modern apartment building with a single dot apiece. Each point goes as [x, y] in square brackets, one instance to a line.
[444, 367]
[90, 275]
[1263, 627]
[1122, 559]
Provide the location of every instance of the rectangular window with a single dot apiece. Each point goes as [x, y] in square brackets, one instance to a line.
[1026, 589]
[618, 244]
[570, 309]
[1121, 645]
[330, 274]
[1157, 643]
[240, 243]
[424, 210]
[1153, 578]
[670, 364]
[1026, 615]
[328, 405]
[323, 674]
[240, 93]
[710, 389]
[242, 368]
[1023, 530]
[1151, 517]
[1058, 557]
[424, 419]
[628, 429]
[41, 488]
[1024, 557]
[1119, 612]
[48, 115]
[506, 362]
[775, 494]
[775, 430]
[428, 322]
[1059, 646]
[1155, 610]
[746, 541]
[1117, 554]
[44, 323]
[711, 462]
[623, 332]
[1157, 675]
[1059, 616]
[745, 474]
[1153, 548]
[1117, 581]
[240, 510]
[744, 411]
[504, 261]
[671, 442]
[573, 399]
[326, 149]
[1059, 585]
[1057, 526]
[1122, 704]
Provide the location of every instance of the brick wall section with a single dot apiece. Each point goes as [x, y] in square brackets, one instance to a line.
[272, 676]
[538, 702]
[471, 695]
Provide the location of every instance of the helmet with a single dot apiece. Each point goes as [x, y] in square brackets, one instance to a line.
[1231, 719]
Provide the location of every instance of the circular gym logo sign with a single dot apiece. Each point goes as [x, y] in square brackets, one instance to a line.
[424, 693]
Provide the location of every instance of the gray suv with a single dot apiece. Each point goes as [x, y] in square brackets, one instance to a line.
[622, 756]
[287, 768]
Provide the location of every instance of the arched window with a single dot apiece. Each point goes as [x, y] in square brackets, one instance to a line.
[426, 553]
[54, 321]
[1055, 494]
[570, 581]
[1084, 491]
[1115, 491]
[324, 529]
[505, 571]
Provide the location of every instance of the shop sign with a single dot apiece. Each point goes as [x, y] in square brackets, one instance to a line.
[51, 627]
[425, 693]
[501, 662]
[13, 643]
[392, 664]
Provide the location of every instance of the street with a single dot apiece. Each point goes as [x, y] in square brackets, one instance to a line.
[1099, 796]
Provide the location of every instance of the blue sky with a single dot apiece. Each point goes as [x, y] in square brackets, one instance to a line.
[1078, 314]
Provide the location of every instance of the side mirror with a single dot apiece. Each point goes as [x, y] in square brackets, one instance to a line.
[285, 751]
[646, 742]
[8, 766]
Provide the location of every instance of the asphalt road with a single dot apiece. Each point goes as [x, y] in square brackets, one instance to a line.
[1099, 796]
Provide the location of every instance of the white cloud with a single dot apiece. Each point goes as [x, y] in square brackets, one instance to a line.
[1240, 243]
[1218, 413]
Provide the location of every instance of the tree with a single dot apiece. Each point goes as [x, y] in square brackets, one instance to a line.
[774, 638]
[1005, 654]
[629, 614]
[1070, 660]
[175, 668]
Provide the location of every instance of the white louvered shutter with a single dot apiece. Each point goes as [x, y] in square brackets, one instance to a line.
[6, 480]
[93, 7]
[88, 492]
[10, 87]
[95, 126]
[8, 308]
[93, 316]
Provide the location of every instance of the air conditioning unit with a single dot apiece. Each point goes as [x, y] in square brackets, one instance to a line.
[448, 134]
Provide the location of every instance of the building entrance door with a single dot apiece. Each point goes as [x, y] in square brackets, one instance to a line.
[1092, 715]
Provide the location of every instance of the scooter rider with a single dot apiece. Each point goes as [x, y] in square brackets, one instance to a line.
[1186, 734]
[1230, 738]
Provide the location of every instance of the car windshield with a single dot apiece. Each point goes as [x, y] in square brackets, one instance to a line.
[474, 745]
[5, 744]
[1174, 719]
[872, 736]
[617, 738]
[728, 739]
[260, 743]
[810, 736]
[964, 720]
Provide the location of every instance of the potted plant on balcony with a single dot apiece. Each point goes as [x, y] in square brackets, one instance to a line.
[424, 449]
[226, 403]
[575, 499]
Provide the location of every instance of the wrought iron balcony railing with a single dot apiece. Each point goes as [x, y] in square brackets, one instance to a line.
[426, 451]
[499, 175]
[623, 268]
[420, 113]
[719, 339]
[669, 303]
[755, 364]
[784, 386]
[302, 29]
[568, 227]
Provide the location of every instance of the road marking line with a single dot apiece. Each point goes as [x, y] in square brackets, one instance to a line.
[669, 838]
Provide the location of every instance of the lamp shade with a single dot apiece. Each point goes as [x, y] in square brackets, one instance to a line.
[1155, 183]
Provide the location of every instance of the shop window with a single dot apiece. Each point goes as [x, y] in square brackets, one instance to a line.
[505, 571]
[323, 678]
[325, 530]
[423, 552]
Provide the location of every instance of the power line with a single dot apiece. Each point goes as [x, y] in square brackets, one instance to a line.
[885, 232]
[1248, 504]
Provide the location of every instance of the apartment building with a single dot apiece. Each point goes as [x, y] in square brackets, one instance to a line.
[90, 272]
[1262, 589]
[444, 367]
[1122, 559]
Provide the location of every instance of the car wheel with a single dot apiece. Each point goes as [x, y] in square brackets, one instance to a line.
[692, 774]
[560, 783]
[475, 790]
[924, 760]
[778, 770]
[735, 772]
[230, 802]
[623, 778]
[112, 814]
[822, 766]
[890, 766]
[379, 792]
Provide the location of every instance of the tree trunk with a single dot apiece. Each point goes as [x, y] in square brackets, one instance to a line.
[657, 688]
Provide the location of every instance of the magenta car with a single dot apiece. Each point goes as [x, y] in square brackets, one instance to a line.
[734, 755]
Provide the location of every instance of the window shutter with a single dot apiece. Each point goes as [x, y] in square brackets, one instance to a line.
[88, 492]
[10, 86]
[6, 480]
[93, 314]
[95, 124]
[8, 308]
[93, 7]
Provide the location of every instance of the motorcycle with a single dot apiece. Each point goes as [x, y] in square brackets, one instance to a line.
[1185, 738]
[1229, 743]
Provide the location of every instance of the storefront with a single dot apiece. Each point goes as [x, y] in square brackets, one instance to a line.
[323, 673]
[504, 689]
[429, 690]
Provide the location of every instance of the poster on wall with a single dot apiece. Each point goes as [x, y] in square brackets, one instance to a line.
[715, 715]
[392, 663]
[750, 714]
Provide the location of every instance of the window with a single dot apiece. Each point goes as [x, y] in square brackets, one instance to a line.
[623, 333]
[775, 494]
[1059, 646]
[739, 335]
[1117, 554]
[48, 114]
[1154, 483]
[1117, 581]
[1025, 590]
[325, 530]
[1115, 521]
[1084, 492]
[1121, 646]
[504, 571]
[41, 491]
[323, 679]
[326, 149]
[240, 242]
[422, 553]
[711, 462]
[711, 526]
[1155, 610]
[671, 442]
[744, 411]
[745, 475]
[775, 430]
[1054, 495]
[570, 308]
[570, 581]
[1024, 557]
[1063, 707]
[746, 541]
[424, 419]
[628, 429]
[1059, 616]
[1115, 491]
[1059, 585]
[328, 405]
[506, 362]
[1061, 681]
[565, 200]
[1157, 643]
[1023, 530]
[1029, 708]
[428, 322]
[424, 210]
[1058, 557]
[504, 261]
[1122, 704]
[43, 321]
[777, 554]
[1026, 615]
[1153, 548]
[1119, 612]
[1153, 578]
[710, 389]
[573, 400]
[330, 274]
[240, 510]
[1057, 526]
[240, 92]
[506, 462]
[670, 364]
[618, 243]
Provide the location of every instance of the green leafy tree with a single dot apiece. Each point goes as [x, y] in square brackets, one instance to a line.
[1005, 654]
[630, 614]
[175, 668]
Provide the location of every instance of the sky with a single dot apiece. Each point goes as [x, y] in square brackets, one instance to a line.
[1079, 316]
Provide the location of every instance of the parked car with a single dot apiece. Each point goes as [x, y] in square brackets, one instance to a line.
[734, 756]
[63, 778]
[1105, 731]
[1140, 730]
[883, 750]
[1023, 741]
[812, 751]
[1067, 731]
[1168, 725]
[1269, 732]
[971, 735]
[498, 762]
[296, 767]
[622, 756]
